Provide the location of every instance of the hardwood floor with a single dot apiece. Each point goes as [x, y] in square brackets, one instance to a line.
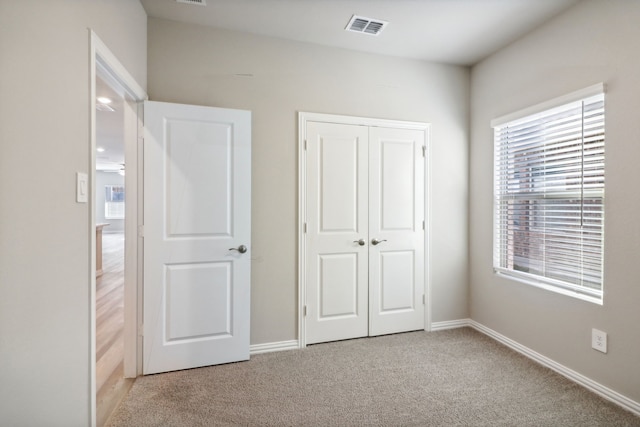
[111, 385]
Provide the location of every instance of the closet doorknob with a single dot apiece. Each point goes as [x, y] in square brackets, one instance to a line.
[242, 249]
[376, 241]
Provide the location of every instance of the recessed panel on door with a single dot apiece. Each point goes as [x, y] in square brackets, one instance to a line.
[204, 292]
[397, 189]
[397, 281]
[338, 193]
[338, 290]
[199, 178]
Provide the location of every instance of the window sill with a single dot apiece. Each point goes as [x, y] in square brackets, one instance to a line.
[556, 289]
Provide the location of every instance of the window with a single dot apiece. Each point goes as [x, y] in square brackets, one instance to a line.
[549, 195]
[114, 202]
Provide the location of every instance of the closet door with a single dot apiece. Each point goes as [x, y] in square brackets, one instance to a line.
[396, 235]
[365, 237]
[337, 224]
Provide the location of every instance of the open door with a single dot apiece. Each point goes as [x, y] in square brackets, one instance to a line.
[197, 231]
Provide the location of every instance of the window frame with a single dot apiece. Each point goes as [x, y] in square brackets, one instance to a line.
[114, 201]
[539, 280]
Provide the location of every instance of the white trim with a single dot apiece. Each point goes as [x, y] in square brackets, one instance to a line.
[270, 347]
[561, 288]
[450, 324]
[428, 324]
[92, 234]
[593, 90]
[105, 59]
[589, 384]
[302, 215]
[102, 60]
[303, 118]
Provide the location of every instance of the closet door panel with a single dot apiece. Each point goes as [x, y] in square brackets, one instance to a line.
[396, 235]
[337, 265]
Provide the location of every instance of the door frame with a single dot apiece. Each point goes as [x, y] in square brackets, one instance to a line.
[103, 61]
[303, 118]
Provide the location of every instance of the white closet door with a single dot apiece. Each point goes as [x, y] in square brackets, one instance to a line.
[337, 289]
[396, 235]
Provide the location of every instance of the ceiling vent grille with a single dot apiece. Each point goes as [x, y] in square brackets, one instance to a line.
[198, 2]
[360, 24]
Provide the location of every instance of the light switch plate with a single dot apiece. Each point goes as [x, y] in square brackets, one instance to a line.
[82, 187]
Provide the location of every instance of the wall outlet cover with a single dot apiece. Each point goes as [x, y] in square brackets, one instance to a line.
[599, 340]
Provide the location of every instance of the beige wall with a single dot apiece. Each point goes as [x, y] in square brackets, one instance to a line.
[44, 234]
[595, 41]
[198, 65]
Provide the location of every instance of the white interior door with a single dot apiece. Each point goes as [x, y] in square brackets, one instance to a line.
[337, 303]
[197, 205]
[364, 236]
[396, 234]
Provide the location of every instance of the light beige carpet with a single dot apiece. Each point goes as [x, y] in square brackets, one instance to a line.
[450, 378]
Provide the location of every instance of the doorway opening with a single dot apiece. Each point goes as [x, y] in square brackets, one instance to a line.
[109, 190]
[115, 243]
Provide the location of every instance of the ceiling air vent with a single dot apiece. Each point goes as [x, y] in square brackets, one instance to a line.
[360, 24]
[198, 2]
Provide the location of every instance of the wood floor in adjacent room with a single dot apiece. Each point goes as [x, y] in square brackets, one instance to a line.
[111, 385]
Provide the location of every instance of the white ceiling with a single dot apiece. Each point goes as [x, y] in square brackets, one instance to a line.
[447, 31]
[109, 129]
[459, 32]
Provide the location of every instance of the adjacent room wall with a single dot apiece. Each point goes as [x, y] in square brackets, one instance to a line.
[275, 79]
[595, 41]
[44, 234]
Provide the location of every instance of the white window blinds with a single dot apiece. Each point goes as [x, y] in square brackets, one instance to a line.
[549, 197]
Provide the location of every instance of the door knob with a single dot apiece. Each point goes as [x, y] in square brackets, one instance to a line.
[376, 241]
[361, 242]
[242, 249]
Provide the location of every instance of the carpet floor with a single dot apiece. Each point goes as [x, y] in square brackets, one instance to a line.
[457, 377]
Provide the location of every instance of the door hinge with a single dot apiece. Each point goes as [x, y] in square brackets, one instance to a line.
[305, 145]
[141, 231]
[304, 227]
[423, 224]
[424, 151]
[424, 299]
[304, 311]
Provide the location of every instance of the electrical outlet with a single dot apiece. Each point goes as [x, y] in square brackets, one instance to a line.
[599, 340]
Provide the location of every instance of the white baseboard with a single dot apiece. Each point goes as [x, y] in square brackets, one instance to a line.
[572, 375]
[450, 324]
[273, 346]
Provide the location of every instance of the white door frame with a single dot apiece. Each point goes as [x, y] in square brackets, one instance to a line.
[303, 118]
[104, 61]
